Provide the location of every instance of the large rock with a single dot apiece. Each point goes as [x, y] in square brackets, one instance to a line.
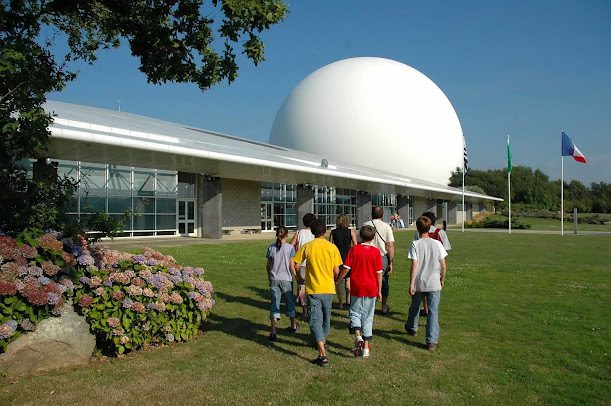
[57, 342]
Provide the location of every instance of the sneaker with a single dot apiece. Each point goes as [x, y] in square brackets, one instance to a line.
[320, 361]
[358, 348]
[431, 346]
[294, 329]
[366, 352]
[385, 310]
[410, 331]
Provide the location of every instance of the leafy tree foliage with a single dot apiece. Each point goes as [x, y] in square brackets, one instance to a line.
[174, 40]
[534, 190]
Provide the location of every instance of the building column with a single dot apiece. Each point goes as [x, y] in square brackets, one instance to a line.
[469, 210]
[210, 196]
[403, 208]
[452, 213]
[363, 208]
[419, 207]
[431, 205]
[305, 202]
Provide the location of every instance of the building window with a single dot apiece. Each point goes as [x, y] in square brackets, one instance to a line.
[388, 201]
[278, 206]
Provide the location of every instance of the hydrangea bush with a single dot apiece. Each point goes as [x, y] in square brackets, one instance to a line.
[130, 301]
[34, 282]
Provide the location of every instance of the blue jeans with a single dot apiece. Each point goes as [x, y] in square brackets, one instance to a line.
[361, 315]
[319, 309]
[276, 290]
[432, 321]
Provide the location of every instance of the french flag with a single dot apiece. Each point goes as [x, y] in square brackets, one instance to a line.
[569, 149]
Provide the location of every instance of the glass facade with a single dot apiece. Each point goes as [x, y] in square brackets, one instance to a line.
[278, 205]
[388, 201]
[150, 194]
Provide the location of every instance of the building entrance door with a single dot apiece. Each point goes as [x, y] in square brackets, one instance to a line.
[187, 217]
[266, 217]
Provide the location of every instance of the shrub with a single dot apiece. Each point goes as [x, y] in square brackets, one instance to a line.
[131, 301]
[34, 282]
[496, 221]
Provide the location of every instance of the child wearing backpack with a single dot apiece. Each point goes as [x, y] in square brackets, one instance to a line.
[280, 278]
[439, 235]
[427, 278]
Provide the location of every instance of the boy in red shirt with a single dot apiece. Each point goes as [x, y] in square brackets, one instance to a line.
[364, 262]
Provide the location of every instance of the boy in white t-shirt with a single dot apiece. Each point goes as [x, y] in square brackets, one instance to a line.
[426, 280]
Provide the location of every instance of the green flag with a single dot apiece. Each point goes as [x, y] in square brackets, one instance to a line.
[508, 156]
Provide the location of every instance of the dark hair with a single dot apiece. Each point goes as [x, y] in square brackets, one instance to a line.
[423, 224]
[367, 233]
[431, 216]
[281, 233]
[317, 227]
[307, 219]
[377, 212]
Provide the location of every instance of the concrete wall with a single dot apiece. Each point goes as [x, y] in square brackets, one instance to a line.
[403, 208]
[453, 214]
[241, 203]
[305, 203]
[210, 210]
[363, 208]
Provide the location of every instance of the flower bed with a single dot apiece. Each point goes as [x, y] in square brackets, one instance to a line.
[129, 301]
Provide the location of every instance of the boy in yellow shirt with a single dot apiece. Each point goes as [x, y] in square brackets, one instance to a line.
[322, 267]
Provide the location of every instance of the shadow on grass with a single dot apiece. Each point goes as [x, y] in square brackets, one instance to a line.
[259, 304]
[248, 330]
[399, 336]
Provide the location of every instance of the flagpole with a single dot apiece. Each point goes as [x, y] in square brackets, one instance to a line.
[561, 195]
[509, 188]
[463, 197]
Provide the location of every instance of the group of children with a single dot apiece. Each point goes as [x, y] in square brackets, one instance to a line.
[318, 266]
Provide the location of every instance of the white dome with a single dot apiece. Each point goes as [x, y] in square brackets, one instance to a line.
[373, 112]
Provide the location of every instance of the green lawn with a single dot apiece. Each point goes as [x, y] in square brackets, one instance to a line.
[525, 319]
[553, 224]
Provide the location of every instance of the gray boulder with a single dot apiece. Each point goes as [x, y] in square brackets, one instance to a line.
[57, 342]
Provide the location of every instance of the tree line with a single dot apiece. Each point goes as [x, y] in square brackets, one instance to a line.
[533, 190]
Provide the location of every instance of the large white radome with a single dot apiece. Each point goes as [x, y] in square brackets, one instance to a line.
[373, 112]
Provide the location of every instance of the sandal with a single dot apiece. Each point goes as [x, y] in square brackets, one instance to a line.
[272, 337]
[385, 311]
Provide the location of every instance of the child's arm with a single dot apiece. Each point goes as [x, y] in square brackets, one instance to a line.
[380, 274]
[335, 272]
[342, 273]
[442, 262]
[412, 277]
[353, 236]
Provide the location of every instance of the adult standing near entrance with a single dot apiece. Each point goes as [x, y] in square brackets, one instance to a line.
[385, 242]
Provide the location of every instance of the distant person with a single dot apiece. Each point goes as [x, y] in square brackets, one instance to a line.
[280, 275]
[436, 234]
[300, 238]
[322, 268]
[427, 277]
[364, 263]
[344, 238]
[385, 242]
[400, 223]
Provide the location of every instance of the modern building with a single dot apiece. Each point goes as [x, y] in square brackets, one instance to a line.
[180, 180]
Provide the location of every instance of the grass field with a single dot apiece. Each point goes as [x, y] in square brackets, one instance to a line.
[525, 320]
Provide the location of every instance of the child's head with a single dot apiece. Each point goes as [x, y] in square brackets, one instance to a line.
[367, 233]
[282, 232]
[423, 224]
[317, 228]
[342, 221]
[307, 219]
[431, 216]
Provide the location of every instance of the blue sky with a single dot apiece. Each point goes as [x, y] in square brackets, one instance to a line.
[528, 68]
